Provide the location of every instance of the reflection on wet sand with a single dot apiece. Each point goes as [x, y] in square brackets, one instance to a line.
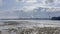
[26, 27]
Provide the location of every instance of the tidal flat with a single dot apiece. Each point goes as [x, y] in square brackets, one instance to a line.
[29, 27]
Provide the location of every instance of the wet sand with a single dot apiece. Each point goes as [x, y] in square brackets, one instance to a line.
[30, 27]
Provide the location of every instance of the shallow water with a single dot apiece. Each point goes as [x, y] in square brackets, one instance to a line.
[36, 21]
[51, 23]
[26, 25]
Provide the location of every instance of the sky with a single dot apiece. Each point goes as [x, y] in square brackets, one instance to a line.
[7, 7]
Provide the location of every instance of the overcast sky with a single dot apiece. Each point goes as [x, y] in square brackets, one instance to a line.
[26, 5]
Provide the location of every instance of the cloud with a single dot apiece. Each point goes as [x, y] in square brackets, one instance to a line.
[2, 12]
[28, 5]
[32, 4]
[8, 17]
[1, 2]
[31, 1]
[27, 8]
[19, 0]
[49, 4]
[49, 1]
[26, 0]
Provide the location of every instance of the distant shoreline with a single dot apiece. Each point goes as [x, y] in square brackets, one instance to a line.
[53, 18]
[27, 19]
